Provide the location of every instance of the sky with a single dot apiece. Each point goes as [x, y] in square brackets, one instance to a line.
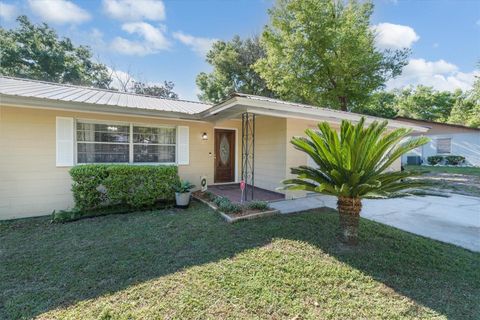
[157, 40]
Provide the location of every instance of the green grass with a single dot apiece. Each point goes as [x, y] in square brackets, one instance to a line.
[473, 171]
[192, 265]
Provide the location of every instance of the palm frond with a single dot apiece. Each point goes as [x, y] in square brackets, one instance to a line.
[354, 161]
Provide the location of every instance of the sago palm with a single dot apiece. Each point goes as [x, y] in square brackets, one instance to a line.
[355, 163]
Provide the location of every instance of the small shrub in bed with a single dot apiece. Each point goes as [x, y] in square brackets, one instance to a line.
[209, 196]
[434, 160]
[229, 207]
[258, 205]
[454, 160]
[218, 200]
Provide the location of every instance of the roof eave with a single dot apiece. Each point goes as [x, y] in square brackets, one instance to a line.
[286, 110]
[42, 103]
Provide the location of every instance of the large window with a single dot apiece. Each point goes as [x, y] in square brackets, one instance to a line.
[444, 145]
[124, 143]
[102, 143]
[153, 144]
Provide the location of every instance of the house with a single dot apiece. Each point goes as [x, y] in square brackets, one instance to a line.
[46, 128]
[446, 139]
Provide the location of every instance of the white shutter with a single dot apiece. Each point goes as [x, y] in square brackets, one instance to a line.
[183, 138]
[64, 142]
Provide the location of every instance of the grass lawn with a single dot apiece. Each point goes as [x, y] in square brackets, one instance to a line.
[192, 265]
[471, 171]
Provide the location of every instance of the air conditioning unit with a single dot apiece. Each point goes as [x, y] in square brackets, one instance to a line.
[414, 160]
[203, 183]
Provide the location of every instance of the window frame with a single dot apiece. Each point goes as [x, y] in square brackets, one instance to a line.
[450, 145]
[130, 143]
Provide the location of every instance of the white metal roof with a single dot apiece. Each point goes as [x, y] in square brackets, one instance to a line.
[69, 93]
[25, 92]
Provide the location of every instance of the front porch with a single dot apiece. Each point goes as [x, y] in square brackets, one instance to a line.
[233, 193]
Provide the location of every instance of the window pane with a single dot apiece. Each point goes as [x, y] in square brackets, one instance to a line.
[153, 153]
[102, 132]
[94, 152]
[154, 135]
[444, 145]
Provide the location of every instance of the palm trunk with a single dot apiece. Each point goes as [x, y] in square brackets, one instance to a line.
[349, 210]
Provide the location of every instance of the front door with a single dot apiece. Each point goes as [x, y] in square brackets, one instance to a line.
[224, 155]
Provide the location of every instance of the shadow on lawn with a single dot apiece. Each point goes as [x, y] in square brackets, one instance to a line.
[47, 266]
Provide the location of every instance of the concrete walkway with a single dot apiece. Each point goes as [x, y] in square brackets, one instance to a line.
[454, 220]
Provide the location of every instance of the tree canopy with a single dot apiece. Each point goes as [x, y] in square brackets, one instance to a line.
[36, 52]
[322, 52]
[164, 90]
[425, 103]
[466, 110]
[380, 104]
[233, 70]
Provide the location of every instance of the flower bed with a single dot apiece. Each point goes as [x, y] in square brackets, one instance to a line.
[233, 212]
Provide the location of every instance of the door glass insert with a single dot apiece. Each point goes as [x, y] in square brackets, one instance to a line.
[224, 150]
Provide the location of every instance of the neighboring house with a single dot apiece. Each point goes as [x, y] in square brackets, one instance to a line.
[46, 128]
[446, 139]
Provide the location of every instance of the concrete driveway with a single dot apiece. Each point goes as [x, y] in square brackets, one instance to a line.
[454, 220]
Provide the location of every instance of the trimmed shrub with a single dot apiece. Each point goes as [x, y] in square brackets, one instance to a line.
[96, 186]
[454, 160]
[433, 160]
[141, 186]
[258, 205]
[87, 185]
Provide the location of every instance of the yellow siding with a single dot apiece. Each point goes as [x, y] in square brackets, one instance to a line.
[32, 185]
[269, 152]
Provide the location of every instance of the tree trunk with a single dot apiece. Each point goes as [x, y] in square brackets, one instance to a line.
[343, 103]
[349, 211]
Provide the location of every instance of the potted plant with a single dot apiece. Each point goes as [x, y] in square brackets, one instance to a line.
[183, 193]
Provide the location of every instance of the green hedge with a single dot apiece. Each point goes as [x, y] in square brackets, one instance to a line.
[87, 186]
[96, 186]
[454, 160]
[433, 160]
[141, 186]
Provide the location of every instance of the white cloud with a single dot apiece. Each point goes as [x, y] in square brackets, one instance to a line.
[8, 12]
[200, 45]
[135, 10]
[59, 11]
[155, 36]
[153, 39]
[134, 48]
[439, 74]
[394, 36]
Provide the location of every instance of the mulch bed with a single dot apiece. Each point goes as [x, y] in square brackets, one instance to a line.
[245, 214]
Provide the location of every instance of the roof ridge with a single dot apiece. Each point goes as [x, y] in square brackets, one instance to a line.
[99, 89]
[407, 119]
